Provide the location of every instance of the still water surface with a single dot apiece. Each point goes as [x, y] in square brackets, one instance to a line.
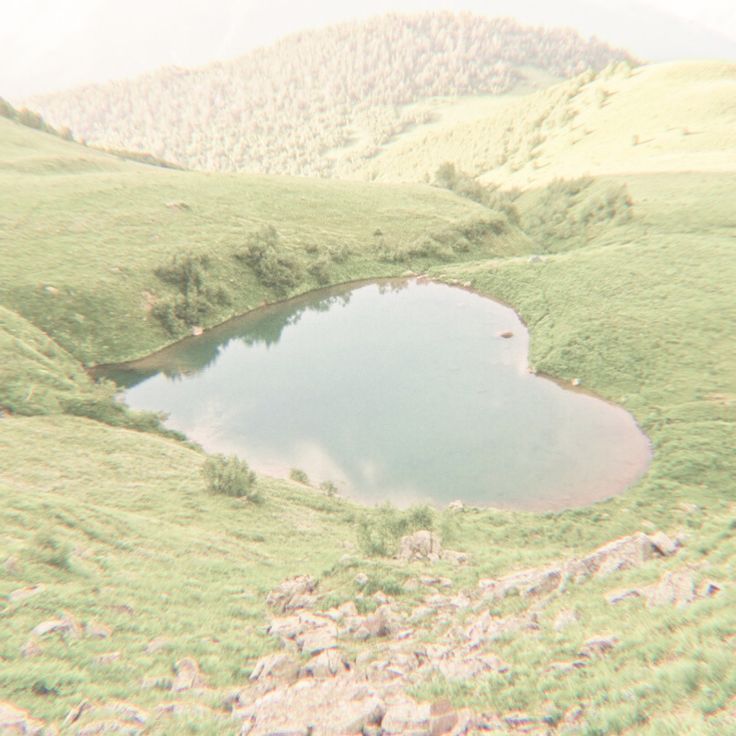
[396, 390]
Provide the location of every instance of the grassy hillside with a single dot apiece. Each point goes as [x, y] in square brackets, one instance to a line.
[127, 547]
[665, 117]
[315, 98]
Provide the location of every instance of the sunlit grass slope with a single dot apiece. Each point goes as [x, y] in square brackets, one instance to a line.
[669, 117]
[117, 526]
[83, 233]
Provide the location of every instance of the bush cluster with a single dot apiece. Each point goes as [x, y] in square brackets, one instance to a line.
[274, 268]
[379, 531]
[230, 476]
[195, 300]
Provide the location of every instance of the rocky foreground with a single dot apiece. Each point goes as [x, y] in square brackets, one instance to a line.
[339, 671]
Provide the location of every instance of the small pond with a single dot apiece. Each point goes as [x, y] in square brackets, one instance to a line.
[401, 391]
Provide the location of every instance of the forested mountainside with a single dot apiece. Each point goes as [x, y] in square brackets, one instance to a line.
[283, 109]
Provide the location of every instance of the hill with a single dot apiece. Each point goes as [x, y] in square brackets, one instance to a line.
[291, 107]
[137, 601]
[663, 117]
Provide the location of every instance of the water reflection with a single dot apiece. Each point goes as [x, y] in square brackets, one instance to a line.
[399, 390]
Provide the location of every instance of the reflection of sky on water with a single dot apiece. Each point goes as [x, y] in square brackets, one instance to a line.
[395, 394]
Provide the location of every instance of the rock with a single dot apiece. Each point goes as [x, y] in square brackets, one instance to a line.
[456, 506]
[317, 640]
[616, 596]
[525, 583]
[177, 708]
[709, 588]
[673, 589]
[286, 628]
[14, 720]
[197, 330]
[565, 618]
[31, 649]
[664, 545]
[109, 726]
[188, 675]
[328, 663]
[361, 580]
[178, 205]
[22, 594]
[433, 580]
[280, 666]
[575, 382]
[506, 334]
[535, 259]
[106, 659]
[407, 718]
[293, 594]
[442, 717]
[51, 290]
[598, 645]
[421, 545]
[77, 712]
[96, 630]
[158, 644]
[457, 558]
[66, 626]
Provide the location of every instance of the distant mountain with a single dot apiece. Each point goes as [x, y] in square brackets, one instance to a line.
[283, 109]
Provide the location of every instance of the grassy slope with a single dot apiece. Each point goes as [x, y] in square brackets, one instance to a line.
[643, 315]
[684, 122]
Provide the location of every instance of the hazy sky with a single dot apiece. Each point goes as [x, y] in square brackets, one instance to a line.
[46, 45]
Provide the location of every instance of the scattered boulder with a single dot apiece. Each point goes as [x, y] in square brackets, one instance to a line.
[407, 717]
[14, 720]
[106, 659]
[565, 618]
[31, 649]
[293, 594]
[506, 334]
[598, 646]
[709, 588]
[457, 558]
[673, 589]
[442, 717]
[67, 626]
[422, 545]
[280, 666]
[22, 594]
[616, 596]
[361, 580]
[456, 506]
[188, 675]
[96, 630]
[314, 641]
[158, 644]
[663, 544]
[328, 663]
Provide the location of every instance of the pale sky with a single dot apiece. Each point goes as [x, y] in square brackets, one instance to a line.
[48, 45]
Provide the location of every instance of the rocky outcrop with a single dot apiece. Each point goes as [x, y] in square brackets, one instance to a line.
[15, 720]
[293, 594]
[188, 675]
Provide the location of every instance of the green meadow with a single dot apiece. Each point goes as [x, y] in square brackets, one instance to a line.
[109, 513]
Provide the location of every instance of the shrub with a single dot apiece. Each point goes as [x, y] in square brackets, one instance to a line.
[52, 551]
[230, 476]
[329, 488]
[379, 531]
[274, 268]
[299, 476]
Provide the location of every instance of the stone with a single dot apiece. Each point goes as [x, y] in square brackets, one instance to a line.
[616, 596]
[506, 334]
[565, 618]
[407, 718]
[457, 558]
[160, 643]
[535, 259]
[188, 675]
[709, 588]
[433, 580]
[77, 712]
[66, 626]
[598, 645]
[673, 589]
[361, 580]
[442, 717]
[107, 658]
[14, 720]
[96, 630]
[525, 583]
[292, 594]
[197, 330]
[665, 546]
[456, 506]
[22, 594]
[422, 545]
[280, 666]
[317, 640]
[31, 649]
[328, 663]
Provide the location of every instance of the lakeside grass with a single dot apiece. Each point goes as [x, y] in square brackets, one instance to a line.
[117, 524]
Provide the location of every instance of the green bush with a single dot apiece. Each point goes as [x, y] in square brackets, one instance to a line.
[274, 268]
[230, 476]
[329, 488]
[379, 531]
[299, 476]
